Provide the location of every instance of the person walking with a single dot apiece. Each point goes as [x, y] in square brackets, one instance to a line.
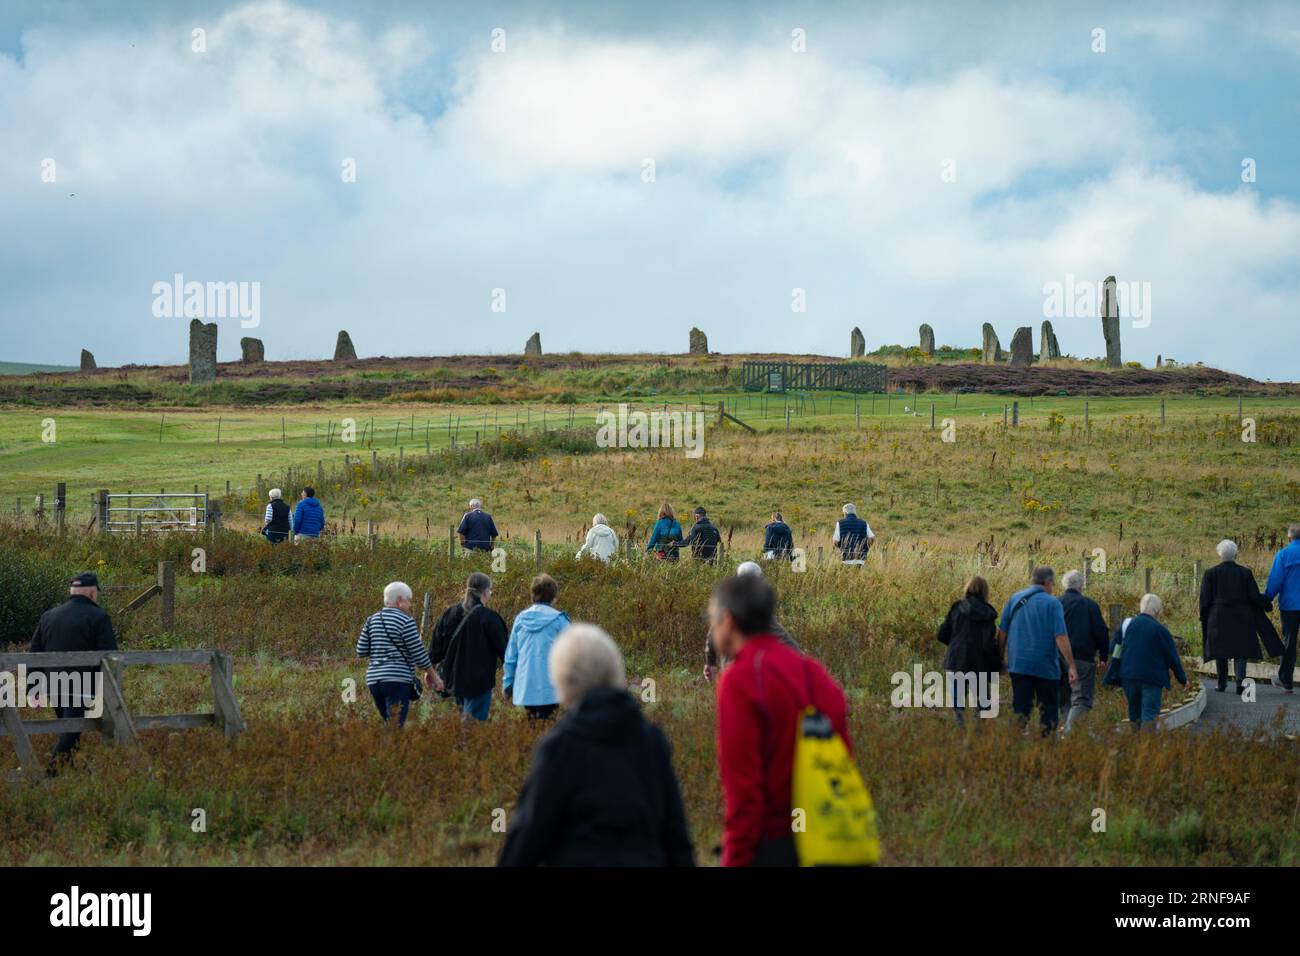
[308, 517]
[1230, 599]
[477, 531]
[704, 539]
[79, 624]
[468, 642]
[853, 536]
[1089, 644]
[761, 696]
[276, 526]
[711, 662]
[666, 535]
[778, 539]
[1284, 584]
[970, 632]
[1148, 655]
[601, 541]
[601, 790]
[390, 640]
[1032, 631]
[526, 679]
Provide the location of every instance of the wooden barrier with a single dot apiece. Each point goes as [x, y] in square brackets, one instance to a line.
[116, 722]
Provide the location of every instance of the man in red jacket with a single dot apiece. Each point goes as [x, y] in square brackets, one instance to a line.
[761, 695]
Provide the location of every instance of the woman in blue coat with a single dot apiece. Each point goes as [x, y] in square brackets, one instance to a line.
[1147, 655]
[666, 534]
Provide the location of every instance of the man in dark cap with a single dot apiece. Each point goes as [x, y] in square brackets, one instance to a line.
[79, 624]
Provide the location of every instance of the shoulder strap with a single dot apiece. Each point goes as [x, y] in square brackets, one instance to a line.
[396, 646]
[1018, 605]
[459, 627]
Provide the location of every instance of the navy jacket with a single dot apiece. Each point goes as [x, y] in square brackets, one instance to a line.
[778, 539]
[1149, 653]
[478, 529]
[1089, 635]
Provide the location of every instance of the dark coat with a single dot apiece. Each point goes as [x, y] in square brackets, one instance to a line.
[473, 651]
[601, 792]
[79, 624]
[971, 633]
[1089, 635]
[779, 539]
[1230, 600]
[1147, 654]
[703, 540]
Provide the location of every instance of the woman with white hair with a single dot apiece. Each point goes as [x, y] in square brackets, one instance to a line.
[601, 791]
[853, 536]
[276, 528]
[1230, 602]
[390, 640]
[601, 541]
[1147, 654]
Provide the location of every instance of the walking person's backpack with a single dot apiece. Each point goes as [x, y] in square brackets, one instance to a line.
[1113, 676]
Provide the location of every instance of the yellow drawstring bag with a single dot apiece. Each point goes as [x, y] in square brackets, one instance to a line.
[839, 821]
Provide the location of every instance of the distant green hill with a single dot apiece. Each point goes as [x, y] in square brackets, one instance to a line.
[27, 368]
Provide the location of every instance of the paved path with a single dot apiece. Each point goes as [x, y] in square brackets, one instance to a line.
[1228, 708]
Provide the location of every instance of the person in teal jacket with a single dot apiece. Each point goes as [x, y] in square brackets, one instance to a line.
[526, 679]
[666, 534]
[1148, 655]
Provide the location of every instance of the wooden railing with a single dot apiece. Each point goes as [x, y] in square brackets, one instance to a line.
[116, 722]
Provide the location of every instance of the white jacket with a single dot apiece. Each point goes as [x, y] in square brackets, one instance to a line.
[601, 542]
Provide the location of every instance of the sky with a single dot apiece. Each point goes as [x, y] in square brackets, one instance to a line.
[444, 179]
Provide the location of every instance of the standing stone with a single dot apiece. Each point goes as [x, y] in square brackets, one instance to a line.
[534, 344]
[251, 351]
[1022, 347]
[203, 352]
[87, 361]
[992, 347]
[1048, 347]
[1159, 362]
[343, 349]
[927, 340]
[699, 342]
[1110, 322]
[857, 343]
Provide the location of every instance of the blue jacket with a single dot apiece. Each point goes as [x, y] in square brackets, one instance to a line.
[1148, 653]
[528, 654]
[309, 518]
[1284, 578]
[665, 530]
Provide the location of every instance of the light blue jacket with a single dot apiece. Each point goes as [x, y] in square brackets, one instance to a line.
[528, 654]
[1284, 578]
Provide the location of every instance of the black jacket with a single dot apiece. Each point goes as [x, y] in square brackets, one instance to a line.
[703, 540]
[279, 517]
[1230, 606]
[1089, 635]
[601, 792]
[778, 539]
[470, 657]
[79, 624]
[971, 632]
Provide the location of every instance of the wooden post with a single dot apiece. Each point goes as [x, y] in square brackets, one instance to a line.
[101, 510]
[1015, 414]
[537, 546]
[1004, 414]
[22, 743]
[1086, 423]
[451, 541]
[1087, 571]
[1116, 612]
[370, 535]
[60, 507]
[932, 416]
[225, 706]
[426, 614]
[117, 719]
[1147, 584]
[1196, 576]
[167, 592]
[139, 525]
[1162, 411]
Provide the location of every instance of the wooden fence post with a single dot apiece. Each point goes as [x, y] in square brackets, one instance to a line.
[451, 541]
[426, 614]
[225, 707]
[167, 592]
[101, 510]
[1147, 585]
[60, 508]
[537, 546]
[1116, 613]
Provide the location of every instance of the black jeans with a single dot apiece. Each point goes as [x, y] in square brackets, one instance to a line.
[541, 711]
[67, 743]
[1290, 625]
[1025, 689]
[390, 694]
[1221, 668]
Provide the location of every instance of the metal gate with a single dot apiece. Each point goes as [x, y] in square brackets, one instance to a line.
[155, 514]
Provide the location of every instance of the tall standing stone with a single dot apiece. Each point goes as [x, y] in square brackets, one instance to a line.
[534, 344]
[927, 339]
[343, 348]
[699, 342]
[1022, 347]
[1110, 322]
[1048, 347]
[857, 343]
[87, 361]
[203, 352]
[992, 347]
[251, 351]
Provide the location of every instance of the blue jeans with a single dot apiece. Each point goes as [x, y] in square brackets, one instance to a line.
[390, 694]
[476, 707]
[1143, 702]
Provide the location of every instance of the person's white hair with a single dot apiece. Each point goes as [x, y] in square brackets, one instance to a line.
[1151, 604]
[582, 659]
[1073, 580]
[396, 591]
[275, 493]
[749, 567]
[475, 503]
[850, 509]
[1227, 550]
[599, 519]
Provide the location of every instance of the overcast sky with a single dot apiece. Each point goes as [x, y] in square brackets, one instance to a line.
[938, 163]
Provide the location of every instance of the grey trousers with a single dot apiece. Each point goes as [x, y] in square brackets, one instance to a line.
[1080, 695]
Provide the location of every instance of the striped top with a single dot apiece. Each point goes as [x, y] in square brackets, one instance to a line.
[381, 636]
[267, 520]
